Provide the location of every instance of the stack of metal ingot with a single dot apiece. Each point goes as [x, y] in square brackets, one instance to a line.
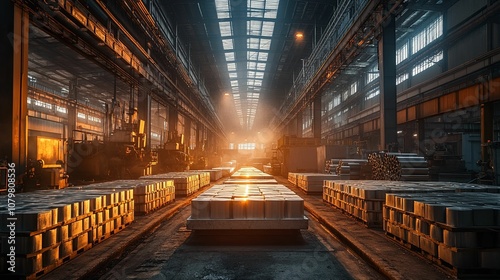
[313, 182]
[215, 174]
[247, 207]
[185, 183]
[458, 230]
[204, 177]
[54, 226]
[226, 171]
[292, 178]
[150, 195]
[364, 199]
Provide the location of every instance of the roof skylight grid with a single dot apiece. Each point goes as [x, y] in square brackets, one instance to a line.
[261, 15]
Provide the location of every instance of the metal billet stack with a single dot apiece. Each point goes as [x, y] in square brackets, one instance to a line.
[457, 230]
[150, 195]
[185, 183]
[54, 226]
[215, 174]
[226, 171]
[292, 178]
[364, 199]
[352, 169]
[313, 182]
[204, 177]
[398, 167]
[258, 206]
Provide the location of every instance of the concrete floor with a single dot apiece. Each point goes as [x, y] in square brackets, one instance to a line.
[158, 246]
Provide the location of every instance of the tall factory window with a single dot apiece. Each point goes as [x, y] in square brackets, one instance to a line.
[427, 63]
[372, 74]
[94, 119]
[61, 109]
[372, 93]
[81, 115]
[43, 104]
[430, 33]
[401, 78]
[246, 146]
[402, 53]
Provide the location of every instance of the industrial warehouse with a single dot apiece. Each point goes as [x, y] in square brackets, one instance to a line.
[250, 139]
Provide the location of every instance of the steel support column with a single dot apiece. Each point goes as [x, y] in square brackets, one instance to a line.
[299, 121]
[387, 69]
[14, 32]
[144, 113]
[487, 131]
[317, 117]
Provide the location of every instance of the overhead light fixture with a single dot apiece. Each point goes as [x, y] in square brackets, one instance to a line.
[226, 93]
[299, 35]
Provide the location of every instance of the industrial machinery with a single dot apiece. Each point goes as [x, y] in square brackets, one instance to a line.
[122, 155]
[172, 155]
[45, 168]
[490, 164]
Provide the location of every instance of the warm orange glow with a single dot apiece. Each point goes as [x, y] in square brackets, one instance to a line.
[226, 94]
[299, 35]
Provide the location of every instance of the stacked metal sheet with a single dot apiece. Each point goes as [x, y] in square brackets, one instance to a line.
[185, 183]
[459, 230]
[247, 207]
[54, 226]
[150, 195]
[364, 199]
[313, 182]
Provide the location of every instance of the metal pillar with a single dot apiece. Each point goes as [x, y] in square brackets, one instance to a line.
[300, 123]
[317, 117]
[14, 37]
[387, 69]
[144, 113]
[173, 119]
[487, 132]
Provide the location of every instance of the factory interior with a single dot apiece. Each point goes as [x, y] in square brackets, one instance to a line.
[250, 139]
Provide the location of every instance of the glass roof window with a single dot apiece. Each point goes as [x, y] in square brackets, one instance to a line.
[261, 15]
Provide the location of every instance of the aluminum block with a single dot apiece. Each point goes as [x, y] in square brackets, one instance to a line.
[459, 217]
[461, 239]
[274, 208]
[220, 208]
[49, 238]
[459, 258]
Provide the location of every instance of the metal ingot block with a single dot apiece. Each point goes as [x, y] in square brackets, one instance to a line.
[274, 208]
[240, 208]
[465, 239]
[220, 208]
[255, 207]
[65, 248]
[483, 216]
[459, 217]
[294, 207]
[200, 207]
[435, 212]
[49, 238]
[50, 256]
[35, 221]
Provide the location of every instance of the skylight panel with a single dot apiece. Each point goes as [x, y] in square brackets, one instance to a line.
[253, 43]
[233, 75]
[227, 44]
[234, 83]
[251, 65]
[254, 28]
[226, 29]
[222, 8]
[229, 56]
[231, 66]
[252, 55]
[265, 44]
[267, 28]
[261, 66]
